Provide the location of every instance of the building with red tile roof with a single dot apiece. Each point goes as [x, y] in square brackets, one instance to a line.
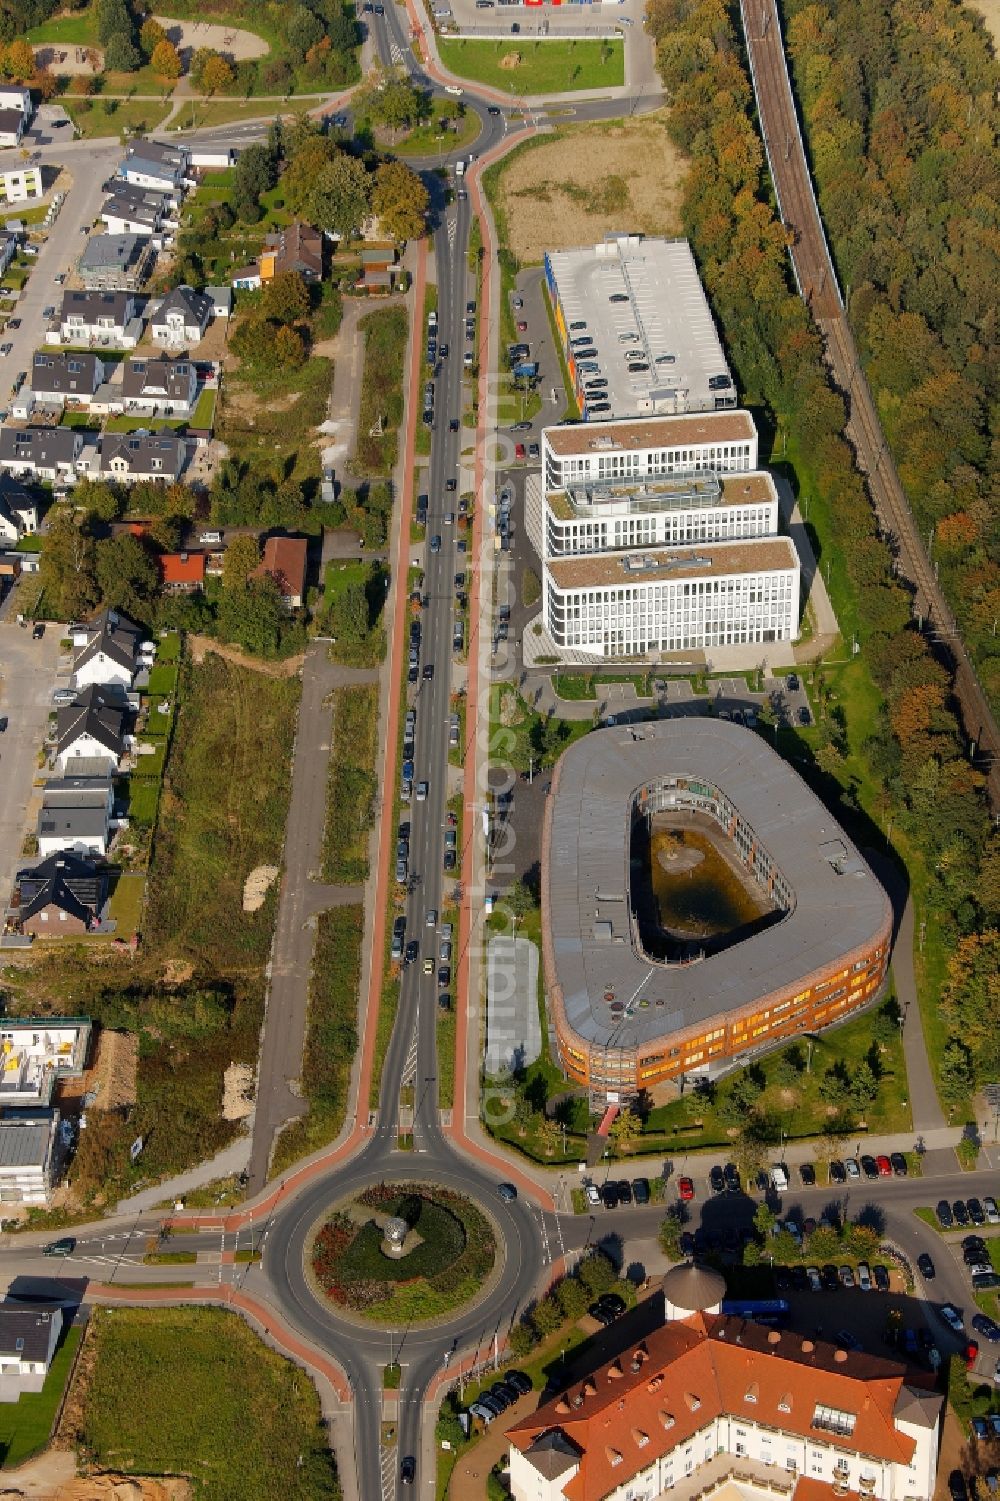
[712, 1404]
[182, 572]
[285, 560]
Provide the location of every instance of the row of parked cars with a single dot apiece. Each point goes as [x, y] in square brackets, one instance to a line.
[967, 1212]
[830, 1278]
[615, 1192]
[501, 1395]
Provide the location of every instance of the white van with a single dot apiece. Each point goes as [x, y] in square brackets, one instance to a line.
[453, 88]
[779, 1178]
[460, 167]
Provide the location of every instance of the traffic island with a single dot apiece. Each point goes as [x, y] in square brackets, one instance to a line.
[402, 1253]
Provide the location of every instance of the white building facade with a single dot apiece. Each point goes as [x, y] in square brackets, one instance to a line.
[660, 535]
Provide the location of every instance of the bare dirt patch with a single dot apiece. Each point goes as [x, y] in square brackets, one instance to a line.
[591, 180]
[113, 1076]
[233, 43]
[257, 885]
[200, 646]
[237, 1092]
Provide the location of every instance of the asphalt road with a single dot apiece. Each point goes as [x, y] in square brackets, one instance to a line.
[27, 678]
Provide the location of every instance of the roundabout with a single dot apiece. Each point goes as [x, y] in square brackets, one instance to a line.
[402, 1253]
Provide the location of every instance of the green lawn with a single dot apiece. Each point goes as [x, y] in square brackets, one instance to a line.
[25, 1425]
[69, 31]
[98, 117]
[204, 412]
[33, 543]
[204, 112]
[351, 784]
[143, 799]
[521, 738]
[126, 902]
[354, 647]
[162, 679]
[193, 1391]
[550, 65]
[432, 138]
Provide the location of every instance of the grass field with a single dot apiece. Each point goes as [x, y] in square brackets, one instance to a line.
[351, 784]
[98, 117]
[385, 332]
[431, 137]
[25, 1425]
[331, 1035]
[548, 66]
[222, 813]
[362, 649]
[126, 902]
[199, 113]
[193, 1391]
[68, 31]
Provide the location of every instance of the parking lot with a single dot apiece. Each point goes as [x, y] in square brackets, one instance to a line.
[28, 672]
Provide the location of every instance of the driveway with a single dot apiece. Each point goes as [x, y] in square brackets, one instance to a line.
[28, 670]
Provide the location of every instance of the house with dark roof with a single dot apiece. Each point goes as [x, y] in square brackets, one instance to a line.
[109, 319]
[151, 164]
[75, 815]
[139, 211]
[48, 453]
[18, 511]
[161, 387]
[110, 650]
[285, 561]
[181, 318]
[64, 378]
[130, 457]
[116, 263]
[59, 897]
[12, 124]
[91, 735]
[714, 1404]
[29, 1334]
[297, 248]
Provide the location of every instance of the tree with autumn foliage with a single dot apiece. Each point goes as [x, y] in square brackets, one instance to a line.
[166, 60]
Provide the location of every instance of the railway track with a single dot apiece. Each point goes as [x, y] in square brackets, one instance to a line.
[816, 280]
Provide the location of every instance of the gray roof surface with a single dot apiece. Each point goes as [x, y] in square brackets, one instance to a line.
[66, 373]
[42, 446]
[666, 308]
[195, 306]
[76, 792]
[96, 714]
[116, 636]
[73, 823]
[93, 305]
[32, 1325]
[144, 376]
[586, 871]
[107, 252]
[24, 1143]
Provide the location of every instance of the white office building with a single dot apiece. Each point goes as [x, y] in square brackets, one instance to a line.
[660, 536]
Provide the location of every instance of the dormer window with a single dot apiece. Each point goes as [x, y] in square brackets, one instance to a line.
[752, 1393]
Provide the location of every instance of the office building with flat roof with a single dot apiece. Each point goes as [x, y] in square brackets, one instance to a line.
[636, 329]
[633, 997]
[660, 535]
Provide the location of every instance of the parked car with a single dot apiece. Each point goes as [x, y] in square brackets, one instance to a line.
[717, 1179]
[976, 1212]
[884, 1166]
[831, 1282]
[640, 1190]
[838, 1173]
[685, 1189]
[869, 1166]
[846, 1274]
[592, 1193]
[985, 1326]
[847, 1341]
[898, 1162]
[814, 1279]
[864, 1277]
[609, 1194]
[992, 1213]
[851, 1168]
[944, 1215]
[808, 1174]
[608, 1307]
[960, 1210]
[732, 1176]
[880, 1276]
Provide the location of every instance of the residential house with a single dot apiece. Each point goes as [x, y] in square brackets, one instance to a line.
[12, 127]
[13, 96]
[709, 1403]
[18, 184]
[29, 1333]
[18, 512]
[117, 262]
[36, 1052]
[139, 211]
[28, 1156]
[160, 387]
[75, 815]
[8, 249]
[181, 318]
[44, 453]
[285, 560]
[298, 248]
[61, 896]
[378, 268]
[150, 164]
[222, 301]
[65, 379]
[111, 649]
[109, 319]
[182, 572]
[130, 457]
[90, 733]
